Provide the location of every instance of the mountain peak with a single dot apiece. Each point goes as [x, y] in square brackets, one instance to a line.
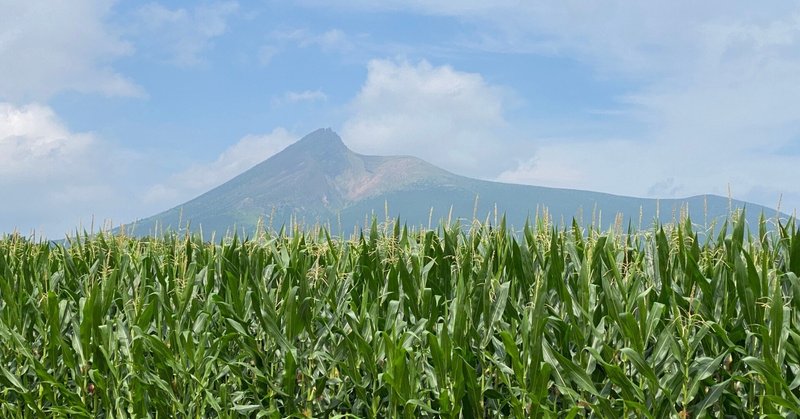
[323, 139]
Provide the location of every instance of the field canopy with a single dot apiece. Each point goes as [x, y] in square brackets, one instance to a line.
[460, 321]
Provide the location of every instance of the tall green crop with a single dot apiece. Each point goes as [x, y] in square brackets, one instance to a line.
[457, 322]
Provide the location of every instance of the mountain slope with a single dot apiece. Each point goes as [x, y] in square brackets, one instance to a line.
[319, 180]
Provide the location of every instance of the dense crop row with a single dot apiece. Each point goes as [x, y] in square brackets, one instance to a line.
[450, 323]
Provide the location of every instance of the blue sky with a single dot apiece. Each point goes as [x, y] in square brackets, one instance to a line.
[112, 111]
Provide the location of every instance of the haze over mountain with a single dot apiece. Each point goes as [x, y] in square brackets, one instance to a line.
[319, 180]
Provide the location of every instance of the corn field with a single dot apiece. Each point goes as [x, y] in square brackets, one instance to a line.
[667, 321]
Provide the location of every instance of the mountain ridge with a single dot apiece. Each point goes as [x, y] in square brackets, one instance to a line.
[318, 179]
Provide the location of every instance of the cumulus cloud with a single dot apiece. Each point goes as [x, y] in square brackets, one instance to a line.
[448, 117]
[33, 143]
[52, 178]
[199, 178]
[183, 35]
[49, 47]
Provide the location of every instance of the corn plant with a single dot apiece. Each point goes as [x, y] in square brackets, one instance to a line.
[462, 321]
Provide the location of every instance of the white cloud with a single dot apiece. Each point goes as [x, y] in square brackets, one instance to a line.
[660, 168]
[53, 179]
[184, 35]
[333, 39]
[296, 97]
[49, 47]
[547, 167]
[33, 143]
[199, 178]
[450, 118]
[330, 40]
[618, 166]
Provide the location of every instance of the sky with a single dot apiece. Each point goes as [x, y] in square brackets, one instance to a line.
[114, 111]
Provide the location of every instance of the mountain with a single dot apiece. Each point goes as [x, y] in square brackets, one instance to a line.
[319, 180]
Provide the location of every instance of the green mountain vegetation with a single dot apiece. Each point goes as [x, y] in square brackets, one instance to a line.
[318, 180]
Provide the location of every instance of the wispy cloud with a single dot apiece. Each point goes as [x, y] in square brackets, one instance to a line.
[266, 53]
[297, 97]
[181, 36]
[330, 40]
